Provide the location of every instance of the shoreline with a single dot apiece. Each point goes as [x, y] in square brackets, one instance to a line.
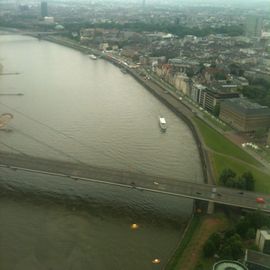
[183, 113]
[168, 99]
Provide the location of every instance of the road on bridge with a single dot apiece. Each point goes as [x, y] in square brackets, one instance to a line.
[170, 186]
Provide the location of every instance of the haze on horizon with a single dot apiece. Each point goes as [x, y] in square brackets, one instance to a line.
[150, 1]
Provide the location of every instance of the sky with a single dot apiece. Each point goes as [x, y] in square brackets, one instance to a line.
[222, 2]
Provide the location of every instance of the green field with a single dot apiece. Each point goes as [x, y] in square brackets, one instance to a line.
[215, 122]
[235, 159]
[262, 183]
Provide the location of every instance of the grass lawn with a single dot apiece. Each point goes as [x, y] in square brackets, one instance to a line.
[220, 144]
[262, 183]
[215, 122]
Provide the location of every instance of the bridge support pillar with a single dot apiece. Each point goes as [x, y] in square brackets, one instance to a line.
[210, 208]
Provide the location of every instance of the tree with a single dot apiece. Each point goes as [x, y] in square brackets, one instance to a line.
[237, 249]
[209, 248]
[229, 233]
[251, 233]
[216, 238]
[257, 219]
[241, 184]
[232, 247]
[199, 267]
[249, 181]
[226, 252]
[242, 227]
[231, 182]
[225, 175]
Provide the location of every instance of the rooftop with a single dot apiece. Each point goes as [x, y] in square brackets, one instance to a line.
[258, 258]
[229, 265]
[244, 106]
[266, 234]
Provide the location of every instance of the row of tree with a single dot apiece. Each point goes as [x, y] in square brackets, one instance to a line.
[225, 246]
[229, 244]
[246, 181]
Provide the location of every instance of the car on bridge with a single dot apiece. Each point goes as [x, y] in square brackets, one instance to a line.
[260, 200]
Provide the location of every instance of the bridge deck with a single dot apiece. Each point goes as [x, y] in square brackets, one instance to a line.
[169, 186]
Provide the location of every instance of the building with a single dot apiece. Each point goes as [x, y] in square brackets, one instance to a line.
[255, 260]
[44, 9]
[229, 265]
[263, 241]
[254, 25]
[182, 83]
[196, 92]
[210, 97]
[49, 20]
[244, 115]
[213, 96]
[184, 65]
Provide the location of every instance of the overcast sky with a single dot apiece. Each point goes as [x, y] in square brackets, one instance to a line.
[242, 2]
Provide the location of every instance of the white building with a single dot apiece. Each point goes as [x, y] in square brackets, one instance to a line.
[263, 241]
[49, 20]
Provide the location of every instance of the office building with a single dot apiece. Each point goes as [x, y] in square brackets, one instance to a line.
[263, 241]
[255, 260]
[44, 9]
[244, 115]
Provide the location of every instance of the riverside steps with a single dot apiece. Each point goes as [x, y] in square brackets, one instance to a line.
[158, 184]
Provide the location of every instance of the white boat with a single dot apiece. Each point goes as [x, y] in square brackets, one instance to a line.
[93, 57]
[162, 123]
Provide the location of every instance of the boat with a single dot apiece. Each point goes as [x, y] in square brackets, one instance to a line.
[93, 57]
[162, 123]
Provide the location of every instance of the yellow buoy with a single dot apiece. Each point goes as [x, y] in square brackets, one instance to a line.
[156, 261]
[134, 226]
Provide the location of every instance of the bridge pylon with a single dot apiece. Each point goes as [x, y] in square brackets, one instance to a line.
[210, 208]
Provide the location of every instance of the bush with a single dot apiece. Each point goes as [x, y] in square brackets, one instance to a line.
[216, 239]
[251, 233]
[209, 248]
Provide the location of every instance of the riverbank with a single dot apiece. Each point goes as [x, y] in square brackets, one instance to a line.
[142, 78]
[190, 252]
[158, 91]
[137, 89]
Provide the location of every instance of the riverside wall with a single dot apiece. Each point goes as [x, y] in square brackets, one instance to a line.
[184, 113]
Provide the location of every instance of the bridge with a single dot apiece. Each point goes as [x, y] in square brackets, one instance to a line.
[169, 186]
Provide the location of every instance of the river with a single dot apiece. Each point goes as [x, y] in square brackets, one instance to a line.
[77, 109]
